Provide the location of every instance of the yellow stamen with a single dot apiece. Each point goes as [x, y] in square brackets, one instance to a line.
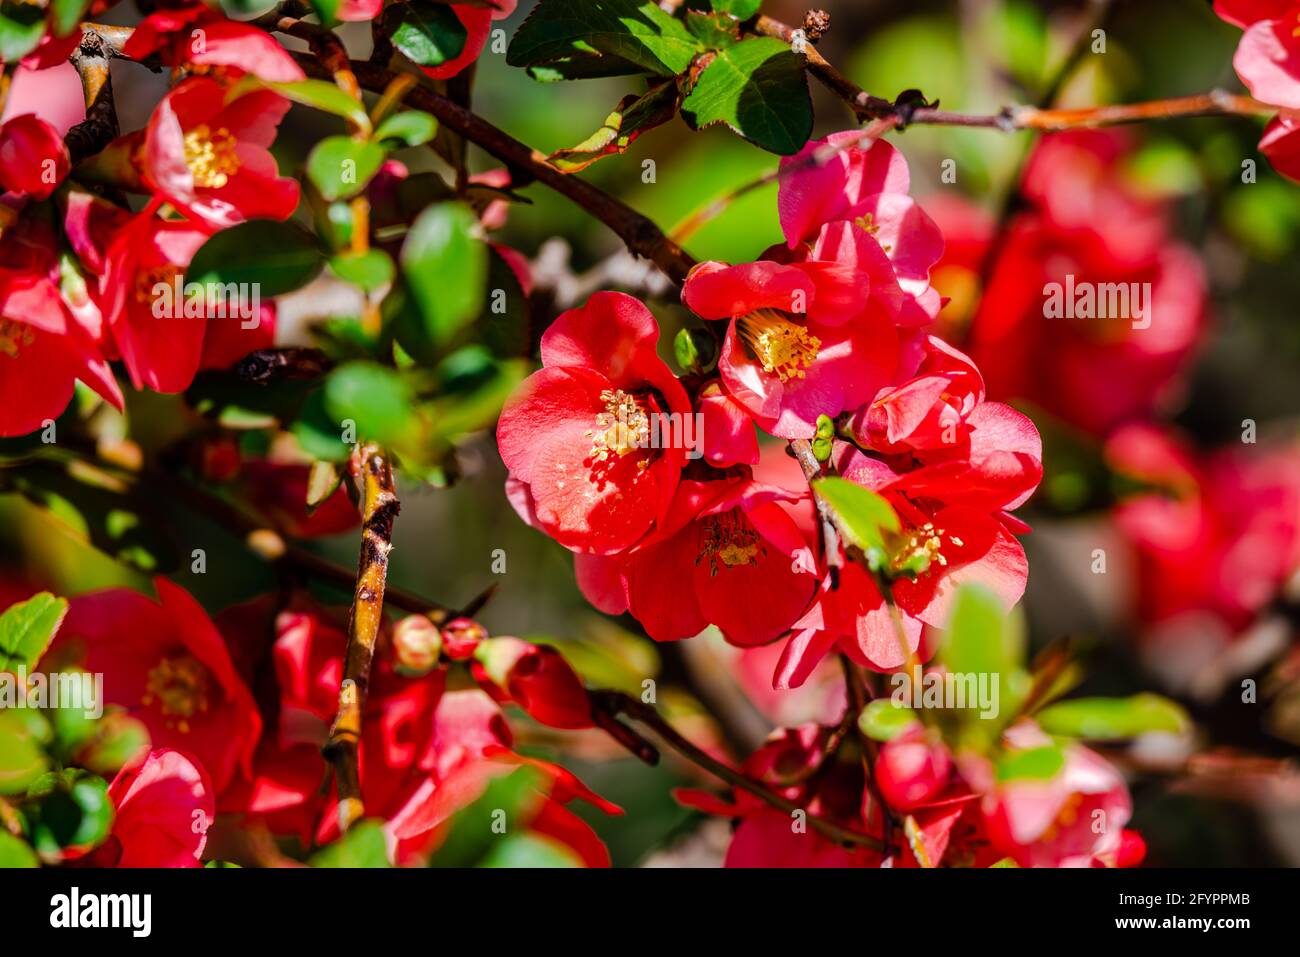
[180, 687]
[621, 428]
[729, 541]
[14, 337]
[781, 345]
[211, 156]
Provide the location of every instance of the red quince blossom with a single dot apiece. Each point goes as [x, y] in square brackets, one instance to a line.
[1216, 536]
[725, 554]
[160, 347]
[210, 159]
[278, 490]
[167, 665]
[576, 435]
[162, 810]
[1035, 337]
[1075, 818]
[912, 770]
[33, 157]
[203, 41]
[45, 345]
[785, 359]
[535, 677]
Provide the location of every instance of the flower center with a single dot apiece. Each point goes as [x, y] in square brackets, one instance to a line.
[147, 279]
[14, 337]
[921, 548]
[180, 688]
[211, 156]
[623, 426]
[781, 345]
[729, 540]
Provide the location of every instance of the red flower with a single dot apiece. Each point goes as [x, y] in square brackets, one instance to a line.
[167, 665]
[163, 808]
[160, 344]
[576, 437]
[278, 490]
[210, 158]
[1061, 311]
[537, 678]
[786, 359]
[44, 345]
[726, 554]
[33, 158]
[912, 770]
[197, 36]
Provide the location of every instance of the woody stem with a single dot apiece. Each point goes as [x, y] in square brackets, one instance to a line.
[373, 475]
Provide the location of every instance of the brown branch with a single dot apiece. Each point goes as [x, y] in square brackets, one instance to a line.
[812, 470]
[613, 703]
[373, 474]
[100, 127]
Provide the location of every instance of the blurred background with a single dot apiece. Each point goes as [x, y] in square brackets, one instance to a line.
[1240, 803]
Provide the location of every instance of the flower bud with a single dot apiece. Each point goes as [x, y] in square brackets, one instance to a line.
[461, 637]
[910, 771]
[695, 350]
[417, 643]
[538, 679]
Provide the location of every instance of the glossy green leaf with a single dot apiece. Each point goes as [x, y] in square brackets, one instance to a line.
[27, 628]
[22, 756]
[425, 32]
[445, 265]
[340, 167]
[373, 397]
[758, 88]
[407, 128]
[14, 853]
[633, 116]
[530, 850]
[1031, 764]
[368, 271]
[363, 846]
[1113, 718]
[740, 9]
[327, 97]
[634, 30]
[864, 517]
[273, 257]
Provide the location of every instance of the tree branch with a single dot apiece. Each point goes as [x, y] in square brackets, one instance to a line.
[379, 506]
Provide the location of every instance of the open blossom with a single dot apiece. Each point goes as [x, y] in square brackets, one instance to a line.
[33, 157]
[163, 808]
[203, 40]
[1088, 286]
[210, 158]
[577, 435]
[45, 346]
[726, 555]
[167, 665]
[1268, 62]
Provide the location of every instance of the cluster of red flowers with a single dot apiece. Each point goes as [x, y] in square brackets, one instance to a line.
[834, 325]
[237, 728]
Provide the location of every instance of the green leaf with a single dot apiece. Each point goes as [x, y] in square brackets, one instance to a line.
[22, 757]
[1031, 764]
[326, 10]
[882, 720]
[340, 167]
[635, 30]
[530, 850]
[445, 266]
[72, 810]
[758, 88]
[1113, 718]
[27, 628]
[740, 9]
[362, 846]
[323, 481]
[409, 127]
[863, 516]
[21, 27]
[474, 829]
[327, 97]
[320, 435]
[716, 31]
[978, 639]
[273, 257]
[375, 397]
[632, 117]
[583, 66]
[66, 14]
[425, 32]
[506, 323]
[15, 854]
[368, 271]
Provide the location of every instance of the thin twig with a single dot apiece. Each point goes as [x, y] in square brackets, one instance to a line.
[812, 470]
[100, 127]
[616, 702]
[373, 474]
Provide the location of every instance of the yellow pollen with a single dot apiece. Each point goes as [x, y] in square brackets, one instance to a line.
[925, 543]
[869, 224]
[621, 428]
[180, 687]
[729, 541]
[211, 156]
[781, 345]
[14, 337]
[147, 279]
[1066, 817]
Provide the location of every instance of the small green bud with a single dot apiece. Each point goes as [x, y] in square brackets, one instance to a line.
[695, 350]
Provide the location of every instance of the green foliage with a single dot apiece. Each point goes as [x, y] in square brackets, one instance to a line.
[633, 116]
[740, 9]
[340, 167]
[407, 128]
[368, 271]
[1114, 718]
[15, 853]
[324, 96]
[23, 735]
[475, 831]
[275, 257]
[27, 628]
[1031, 764]
[374, 397]
[362, 846]
[759, 90]
[863, 517]
[425, 32]
[21, 27]
[68, 810]
[445, 266]
[882, 720]
[636, 31]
